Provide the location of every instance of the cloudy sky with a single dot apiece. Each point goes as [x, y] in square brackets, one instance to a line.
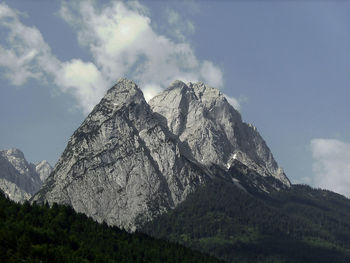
[284, 65]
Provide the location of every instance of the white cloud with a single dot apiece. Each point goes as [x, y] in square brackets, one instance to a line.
[173, 17]
[178, 26]
[6, 11]
[122, 43]
[211, 74]
[234, 102]
[304, 180]
[23, 53]
[83, 80]
[331, 166]
[151, 90]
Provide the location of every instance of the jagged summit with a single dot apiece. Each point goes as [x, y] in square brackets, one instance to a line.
[123, 93]
[202, 117]
[130, 161]
[14, 152]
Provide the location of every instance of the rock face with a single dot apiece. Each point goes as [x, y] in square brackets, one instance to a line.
[44, 169]
[122, 165]
[19, 179]
[130, 161]
[201, 117]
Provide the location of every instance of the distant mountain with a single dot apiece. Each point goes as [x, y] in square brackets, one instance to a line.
[32, 233]
[20, 180]
[131, 161]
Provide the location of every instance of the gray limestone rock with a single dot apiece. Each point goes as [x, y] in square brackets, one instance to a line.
[202, 117]
[18, 178]
[122, 166]
[44, 169]
[130, 161]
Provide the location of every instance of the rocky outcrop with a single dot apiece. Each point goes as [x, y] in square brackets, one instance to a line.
[122, 165]
[202, 118]
[19, 179]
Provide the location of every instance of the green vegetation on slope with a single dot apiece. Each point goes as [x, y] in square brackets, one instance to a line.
[295, 225]
[32, 233]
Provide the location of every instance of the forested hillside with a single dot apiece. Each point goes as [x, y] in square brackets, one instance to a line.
[32, 233]
[299, 224]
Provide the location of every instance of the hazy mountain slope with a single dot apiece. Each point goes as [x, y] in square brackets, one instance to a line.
[18, 178]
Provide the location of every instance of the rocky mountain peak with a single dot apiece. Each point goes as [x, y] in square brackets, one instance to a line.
[13, 152]
[201, 91]
[205, 93]
[177, 84]
[123, 93]
[17, 159]
[203, 119]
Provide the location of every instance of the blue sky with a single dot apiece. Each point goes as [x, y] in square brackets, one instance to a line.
[285, 65]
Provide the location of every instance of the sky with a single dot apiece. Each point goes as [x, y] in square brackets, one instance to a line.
[285, 65]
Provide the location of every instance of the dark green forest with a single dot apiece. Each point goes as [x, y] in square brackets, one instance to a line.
[33, 233]
[299, 224]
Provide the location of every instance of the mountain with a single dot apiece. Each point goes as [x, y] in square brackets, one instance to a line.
[32, 233]
[249, 211]
[122, 166]
[20, 180]
[131, 161]
[185, 167]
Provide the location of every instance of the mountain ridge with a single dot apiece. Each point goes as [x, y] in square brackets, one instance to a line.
[202, 117]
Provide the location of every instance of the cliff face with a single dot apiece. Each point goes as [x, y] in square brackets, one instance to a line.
[122, 165]
[201, 117]
[130, 161]
[44, 169]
